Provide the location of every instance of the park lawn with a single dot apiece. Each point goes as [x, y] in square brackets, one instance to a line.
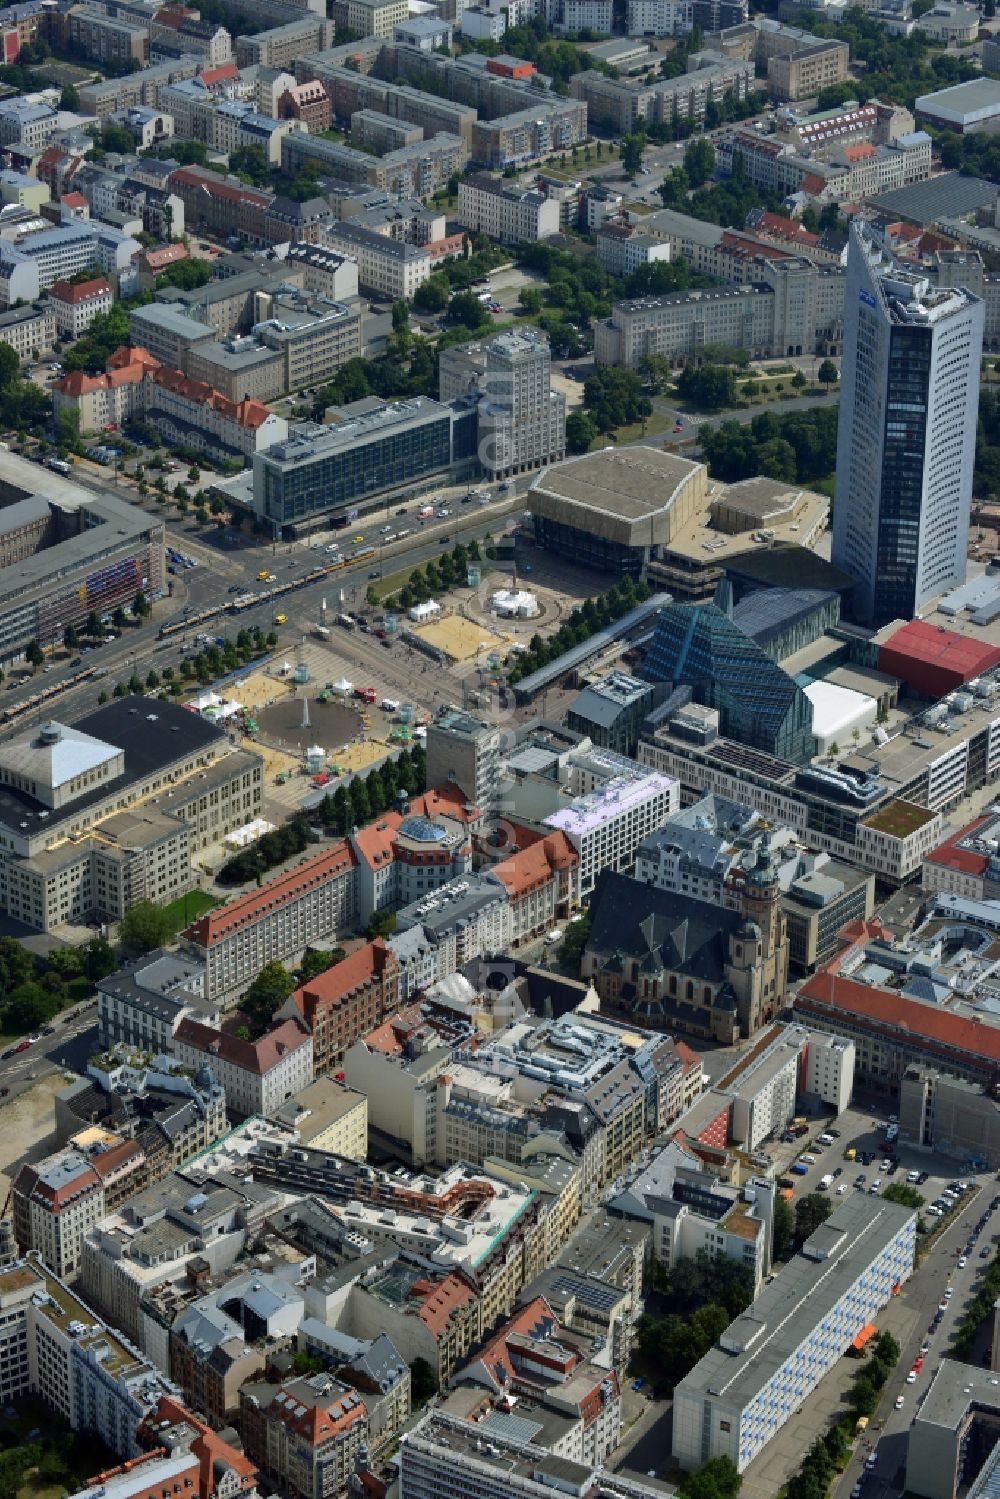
[185, 909]
[655, 424]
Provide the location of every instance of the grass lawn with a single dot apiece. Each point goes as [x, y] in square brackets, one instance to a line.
[187, 908]
[655, 424]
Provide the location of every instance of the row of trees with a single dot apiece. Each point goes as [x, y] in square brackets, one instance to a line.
[449, 571]
[795, 446]
[587, 618]
[980, 1307]
[370, 795]
[273, 848]
[871, 1378]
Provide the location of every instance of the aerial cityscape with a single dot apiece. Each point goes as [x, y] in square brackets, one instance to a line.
[499, 749]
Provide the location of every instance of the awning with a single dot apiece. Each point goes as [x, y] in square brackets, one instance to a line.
[866, 1333]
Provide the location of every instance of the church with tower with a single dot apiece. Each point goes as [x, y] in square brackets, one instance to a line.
[670, 962]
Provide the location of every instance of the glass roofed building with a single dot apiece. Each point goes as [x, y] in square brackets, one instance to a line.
[701, 646]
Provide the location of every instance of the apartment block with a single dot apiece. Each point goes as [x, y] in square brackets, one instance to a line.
[371, 17]
[620, 104]
[29, 331]
[281, 46]
[104, 38]
[390, 267]
[77, 304]
[514, 140]
[508, 214]
[258, 1075]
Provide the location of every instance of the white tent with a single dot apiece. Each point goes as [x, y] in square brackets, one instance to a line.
[343, 686]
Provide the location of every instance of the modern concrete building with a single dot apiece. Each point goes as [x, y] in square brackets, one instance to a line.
[745, 1388]
[952, 1447]
[907, 433]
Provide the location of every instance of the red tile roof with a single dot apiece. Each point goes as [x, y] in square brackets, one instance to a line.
[192, 177]
[214, 1455]
[74, 200]
[374, 842]
[439, 1298]
[222, 74]
[236, 915]
[859, 152]
[374, 960]
[532, 867]
[449, 800]
[327, 1417]
[166, 255]
[389, 1036]
[258, 1057]
[941, 1032]
[81, 291]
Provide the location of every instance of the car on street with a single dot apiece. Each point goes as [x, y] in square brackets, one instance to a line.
[925, 1347]
[962, 1262]
[8, 1053]
[984, 1254]
[900, 1402]
[23, 1046]
[911, 1378]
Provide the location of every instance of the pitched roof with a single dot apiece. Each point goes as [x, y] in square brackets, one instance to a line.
[81, 291]
[660, 926]
[368, 963]
[942, 1032]
[374, 842]
[222, 74]
[258, 1056]
[236, 915]
[859, 152]
[166, 255]
[531, 867]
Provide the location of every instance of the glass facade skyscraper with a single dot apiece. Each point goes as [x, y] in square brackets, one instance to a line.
[907, 433]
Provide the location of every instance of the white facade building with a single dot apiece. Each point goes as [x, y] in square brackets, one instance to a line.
[907, 433]
[522, 422]
[746, 1388]
[257, 1075]
[608, 821]
[659, 17]
[510, 214]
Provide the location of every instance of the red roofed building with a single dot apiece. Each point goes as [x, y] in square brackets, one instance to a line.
[309, 102]
[257, 1075]
[184, 411]
[932, 660]
[542, 883]
[214, 203]
[223, 1472]
[967, 863]
[346, 1001]
[892, 1031]
[78, 303]
[307, 1436]
[57, 1200]
[313, 900]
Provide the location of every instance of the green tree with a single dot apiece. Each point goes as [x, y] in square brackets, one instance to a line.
[140, 605]
[382, 924]
[251, 164]
[267, 993]
[906, 1195]
[581, 429]
[574, 942]
[699, 161]
[186, 274]
[784, 1228]
[423, 1383]
[827, 373]
[144, 927]
[432, 295]
[710, 386]
[98, 959]
[632, 149]
[467, 309]
[530, 300]
[316, 962]
[34, 654]
[69, 99]
[70, 638]
[810, 1212]
[716, 1479]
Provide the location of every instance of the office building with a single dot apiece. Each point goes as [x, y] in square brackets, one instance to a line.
[952, 1446]
[30, 331]
[106, 38]
[281, 46]
[371, 17]
[466, 752]
[39, 258]
[328, 1116]
[345, 1002]
[371, 452]
[610, 710]
[702, 647]
[965, 106]
[390, 267]
[605, 823]
[746, 1388]
[907, 433]
[950, 1115]
[142, 1003]
[967, 862]
[312, 901]
[256, 1075]
[521, 420]
[442, 1456]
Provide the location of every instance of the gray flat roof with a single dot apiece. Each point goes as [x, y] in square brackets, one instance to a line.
[758, 1343]
[948, 196]
[631, 483]
[953, 1389]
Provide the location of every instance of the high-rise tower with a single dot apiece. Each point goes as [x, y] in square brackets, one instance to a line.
[907, 433]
